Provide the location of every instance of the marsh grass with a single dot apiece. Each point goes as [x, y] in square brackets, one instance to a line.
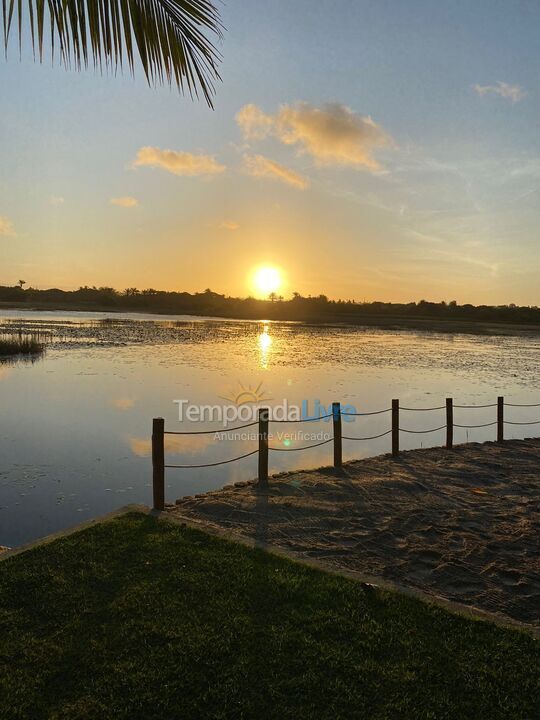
[11, 345]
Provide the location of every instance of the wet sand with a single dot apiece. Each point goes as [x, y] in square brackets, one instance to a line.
[461, 524]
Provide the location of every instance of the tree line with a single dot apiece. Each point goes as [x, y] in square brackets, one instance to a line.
[298, 307]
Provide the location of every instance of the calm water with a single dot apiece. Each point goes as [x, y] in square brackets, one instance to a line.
[75, 426]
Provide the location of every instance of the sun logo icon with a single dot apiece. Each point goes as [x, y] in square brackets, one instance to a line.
[247, 394]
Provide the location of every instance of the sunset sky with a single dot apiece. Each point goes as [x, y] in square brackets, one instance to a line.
[371, 150]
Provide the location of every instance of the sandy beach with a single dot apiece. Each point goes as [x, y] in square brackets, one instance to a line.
[461, 524]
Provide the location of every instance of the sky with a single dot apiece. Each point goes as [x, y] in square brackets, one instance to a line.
[371, 150]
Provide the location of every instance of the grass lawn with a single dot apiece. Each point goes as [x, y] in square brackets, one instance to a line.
[141, 619]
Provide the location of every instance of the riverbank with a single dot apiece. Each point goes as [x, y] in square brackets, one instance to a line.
[139, 618]
[386, 322]
[461, 524]
[381, 323]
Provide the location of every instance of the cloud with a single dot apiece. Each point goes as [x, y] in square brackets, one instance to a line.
[56, 200]
[514, 93]
[229, 225]
[260, 166]
[125, 202]
[332, 134]
[6, 227]
[178, 163]
[254, 122]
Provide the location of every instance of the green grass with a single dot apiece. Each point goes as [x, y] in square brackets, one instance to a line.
[20, 346]
[136, 618]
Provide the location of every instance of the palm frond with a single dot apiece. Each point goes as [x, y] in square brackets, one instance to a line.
[169, 36]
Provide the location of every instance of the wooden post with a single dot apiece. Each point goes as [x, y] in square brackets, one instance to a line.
[395, 428]
[336, 419]
[263, 448]
[158, 462]
[449, 423]
[500, 419]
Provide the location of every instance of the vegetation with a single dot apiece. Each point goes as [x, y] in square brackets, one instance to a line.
[168, 36]
[138, 618]
[318, 308]
[20, 346]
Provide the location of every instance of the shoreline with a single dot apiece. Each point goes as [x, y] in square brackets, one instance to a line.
[461, 524]
[396, 323]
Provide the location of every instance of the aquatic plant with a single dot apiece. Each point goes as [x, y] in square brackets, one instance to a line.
[20, 345]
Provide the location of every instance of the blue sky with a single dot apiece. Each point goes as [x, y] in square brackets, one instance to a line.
[444, 204]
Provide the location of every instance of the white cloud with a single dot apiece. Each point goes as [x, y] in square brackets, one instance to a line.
[56, 200]
[125, 202]
[514, 93]
[178, 163]
[332, 134]
[260, 166]
[6, 227]
[229, 225]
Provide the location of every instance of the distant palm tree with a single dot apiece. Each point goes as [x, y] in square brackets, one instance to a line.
[169, 36]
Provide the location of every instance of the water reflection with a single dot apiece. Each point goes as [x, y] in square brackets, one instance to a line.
[75, 429]
[123, 403]
[174, 445]
[265, 347]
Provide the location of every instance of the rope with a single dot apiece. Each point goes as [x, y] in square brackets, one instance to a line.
[440, 407]
[376, 412]
[470, 427]
[373, 437]
[306, 447]
[314, 419]
[474, 407]
[222, 462]
[422, 432]
[209, 432]
[516, 405]
[532, 422]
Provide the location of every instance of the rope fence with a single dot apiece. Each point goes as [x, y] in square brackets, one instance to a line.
[158, 436]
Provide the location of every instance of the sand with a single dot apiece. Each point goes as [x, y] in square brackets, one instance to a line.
[460, 524]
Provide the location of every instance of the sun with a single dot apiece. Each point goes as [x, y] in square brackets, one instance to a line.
[266, 279]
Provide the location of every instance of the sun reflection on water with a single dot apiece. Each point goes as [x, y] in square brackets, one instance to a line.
[264, 341]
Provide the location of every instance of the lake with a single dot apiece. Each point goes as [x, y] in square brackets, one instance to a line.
[76, 424]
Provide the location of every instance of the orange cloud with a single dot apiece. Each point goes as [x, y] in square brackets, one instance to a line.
[229, 225]
[6, 227]
[332, 134]
[125, 202]
[260, 166]
[178, 163]
[254, 122]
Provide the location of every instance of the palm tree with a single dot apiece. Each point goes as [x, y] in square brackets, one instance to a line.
[169, 36]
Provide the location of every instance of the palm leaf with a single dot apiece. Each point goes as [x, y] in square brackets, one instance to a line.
[169, 36]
